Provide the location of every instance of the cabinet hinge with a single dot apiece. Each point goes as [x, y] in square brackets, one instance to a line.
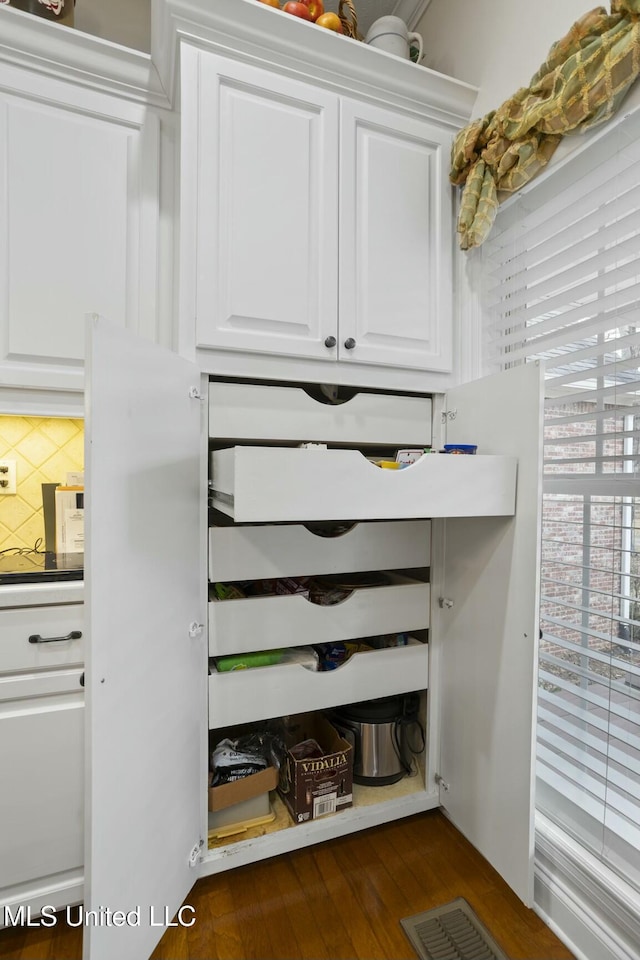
[194, 856]
[448, 415]
[442, 783]
[445, 603]
[194, 393]
[195, 629]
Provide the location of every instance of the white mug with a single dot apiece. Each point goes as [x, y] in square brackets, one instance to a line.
[392, 35]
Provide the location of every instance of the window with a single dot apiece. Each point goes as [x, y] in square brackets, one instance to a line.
[562, 285]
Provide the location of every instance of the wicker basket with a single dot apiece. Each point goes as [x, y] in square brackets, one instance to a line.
[348, 19]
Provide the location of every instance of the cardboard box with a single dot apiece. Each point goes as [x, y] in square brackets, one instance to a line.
[236, 806]
[229, 794]
[318, 786]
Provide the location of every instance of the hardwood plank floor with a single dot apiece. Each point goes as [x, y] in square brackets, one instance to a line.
[339, 900]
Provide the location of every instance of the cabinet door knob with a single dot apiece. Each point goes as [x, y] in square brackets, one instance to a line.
[36, 638]
[330, 342]
[82, 679]
[349, 343]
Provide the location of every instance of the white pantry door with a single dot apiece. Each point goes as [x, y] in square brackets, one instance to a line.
[145, 674]
[488, 638]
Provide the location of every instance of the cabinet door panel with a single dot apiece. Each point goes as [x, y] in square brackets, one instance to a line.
[146, 666]
[395, 238]
[488, 638]
[64, 194]
[41, 804]
[267, 193]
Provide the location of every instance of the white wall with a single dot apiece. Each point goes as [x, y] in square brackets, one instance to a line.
[496, 45]
[127, 22]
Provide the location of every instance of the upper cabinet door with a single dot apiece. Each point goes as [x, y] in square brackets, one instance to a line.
[486, 644]
[395, 240]
[263, 159]
[78, 187]
[146, 663]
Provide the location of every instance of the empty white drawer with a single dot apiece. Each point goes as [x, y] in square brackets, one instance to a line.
[262, 412]
[266, 552]
[282, 483]
[265, 623]
[260, 693]
[41, 638]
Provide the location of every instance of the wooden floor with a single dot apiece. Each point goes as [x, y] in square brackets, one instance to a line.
[339, 900]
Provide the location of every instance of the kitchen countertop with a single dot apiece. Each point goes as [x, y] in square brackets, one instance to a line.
[41, 594]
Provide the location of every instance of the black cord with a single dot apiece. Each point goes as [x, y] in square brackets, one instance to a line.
[24, 551]
[401, 738]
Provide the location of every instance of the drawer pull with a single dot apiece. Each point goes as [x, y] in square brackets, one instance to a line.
[36, 638]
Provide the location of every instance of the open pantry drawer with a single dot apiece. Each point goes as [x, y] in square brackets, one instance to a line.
[262, 552]
[258, 411]
[260, 693]
[268, 622]
[273, 484]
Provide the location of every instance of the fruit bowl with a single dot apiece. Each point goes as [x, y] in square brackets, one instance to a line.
[344, 21]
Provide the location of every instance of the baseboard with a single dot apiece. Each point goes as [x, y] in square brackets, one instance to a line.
[22, 905]
[587, 906]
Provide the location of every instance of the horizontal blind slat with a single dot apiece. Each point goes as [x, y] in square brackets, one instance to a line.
[537, 221]
[602, 744]
[559, 236]
[558, 750]
[585, 266]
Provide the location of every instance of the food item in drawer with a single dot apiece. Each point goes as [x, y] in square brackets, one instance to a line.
[259, 588]
[468, 448]
[306, 656]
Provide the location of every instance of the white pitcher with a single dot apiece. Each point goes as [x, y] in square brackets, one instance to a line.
[393, 35]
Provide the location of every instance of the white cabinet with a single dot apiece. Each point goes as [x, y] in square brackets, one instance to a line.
[266, 166]
[151, 701]
[317, 226]
[41, 755]
[395, 297]
[79, 198]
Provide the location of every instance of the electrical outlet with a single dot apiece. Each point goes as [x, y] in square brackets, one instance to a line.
[7, 477]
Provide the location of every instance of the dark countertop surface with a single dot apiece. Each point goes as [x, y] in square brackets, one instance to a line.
[31, 566]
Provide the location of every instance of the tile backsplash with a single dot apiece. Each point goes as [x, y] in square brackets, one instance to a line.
[45, 449]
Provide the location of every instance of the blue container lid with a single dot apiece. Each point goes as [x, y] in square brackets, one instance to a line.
[461, 447]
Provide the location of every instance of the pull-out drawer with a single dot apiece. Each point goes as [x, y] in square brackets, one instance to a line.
[55, 632]
[263, 692]
[263, 412]
[267, 552]
[265, 623]
[273, 484]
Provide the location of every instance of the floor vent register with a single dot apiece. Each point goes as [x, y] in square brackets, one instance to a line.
[451, 932]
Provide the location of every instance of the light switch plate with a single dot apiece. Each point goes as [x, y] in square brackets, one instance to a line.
[7, 477]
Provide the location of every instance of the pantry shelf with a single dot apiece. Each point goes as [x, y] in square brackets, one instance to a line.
[371, 806]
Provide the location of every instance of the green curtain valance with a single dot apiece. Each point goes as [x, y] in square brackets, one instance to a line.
[581, 83]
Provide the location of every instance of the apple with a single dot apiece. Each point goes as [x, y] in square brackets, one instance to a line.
[298, 9]
[331, 21]
[316, 8]
[271, 3]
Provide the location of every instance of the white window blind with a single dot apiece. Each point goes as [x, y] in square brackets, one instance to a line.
[562, 285]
